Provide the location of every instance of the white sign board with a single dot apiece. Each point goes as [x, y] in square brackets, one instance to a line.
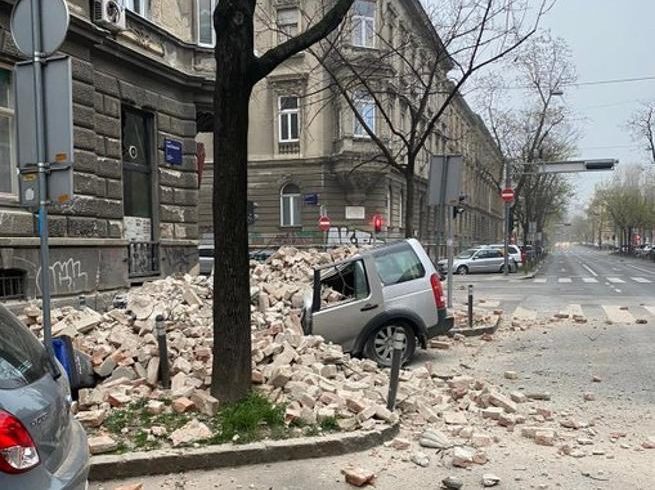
[138, 229]
[355, 212]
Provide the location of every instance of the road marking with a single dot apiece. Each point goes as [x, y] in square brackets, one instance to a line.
[650, 309]
[564, 280]
[616, 315]
[540, 280]
[640, 269]
[563, 270]
[521, 313]
[591, 271]
[590, 280]
[615, 280]
[642, 280]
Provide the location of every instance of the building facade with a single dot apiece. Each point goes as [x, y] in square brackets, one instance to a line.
[134, 214]
[306, 146]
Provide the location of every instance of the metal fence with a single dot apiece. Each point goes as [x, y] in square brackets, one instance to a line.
[12, 284]
[143, 259]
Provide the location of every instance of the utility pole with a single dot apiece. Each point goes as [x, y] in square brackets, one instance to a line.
[508, 205]
[449, 217]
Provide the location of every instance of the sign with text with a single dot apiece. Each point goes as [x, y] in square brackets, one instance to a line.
[444, 181]
[173, 152]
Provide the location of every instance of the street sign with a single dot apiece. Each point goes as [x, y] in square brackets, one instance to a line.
[172, 151]
[311, 199]
[507, 194]
[58, 100]
[444, 180]
[54, 26]
[324, 223]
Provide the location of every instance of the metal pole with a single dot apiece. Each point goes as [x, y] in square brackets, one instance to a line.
[43, 168]
[470, 305]
[396, 357]
[164, 371]
[449, 217]
[508, 185]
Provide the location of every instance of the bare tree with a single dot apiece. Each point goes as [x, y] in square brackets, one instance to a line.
[538, 130]
[238, 69]
[414, 79]
[642, 127]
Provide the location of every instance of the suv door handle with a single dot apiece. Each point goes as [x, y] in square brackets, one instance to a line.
[369, 307]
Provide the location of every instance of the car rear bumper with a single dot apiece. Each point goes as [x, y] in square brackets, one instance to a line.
[446, 322]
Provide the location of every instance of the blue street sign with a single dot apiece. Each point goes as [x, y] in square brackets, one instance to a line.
[173, 152]
[311, 199]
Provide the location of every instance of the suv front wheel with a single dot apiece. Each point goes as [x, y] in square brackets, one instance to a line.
[379, 345]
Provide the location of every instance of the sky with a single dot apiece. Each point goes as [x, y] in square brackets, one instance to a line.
[609, 40]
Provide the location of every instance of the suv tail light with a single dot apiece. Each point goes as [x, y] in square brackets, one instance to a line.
[437, 290]
[17, 451]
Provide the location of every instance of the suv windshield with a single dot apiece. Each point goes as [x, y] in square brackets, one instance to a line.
[23, 359]
[467, 254]
[398, 264]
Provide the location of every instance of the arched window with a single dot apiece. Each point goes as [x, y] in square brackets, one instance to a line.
[290, 206]
[365, 106]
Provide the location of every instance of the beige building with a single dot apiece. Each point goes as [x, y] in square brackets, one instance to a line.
[306, 148]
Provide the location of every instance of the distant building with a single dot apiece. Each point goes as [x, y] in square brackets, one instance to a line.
[134, 216]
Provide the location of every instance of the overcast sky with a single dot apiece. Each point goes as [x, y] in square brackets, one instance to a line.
[610, 40]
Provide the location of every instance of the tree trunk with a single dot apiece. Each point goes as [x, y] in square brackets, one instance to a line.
[231, 375]
[409, 200]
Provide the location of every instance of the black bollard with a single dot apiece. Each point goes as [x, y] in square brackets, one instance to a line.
[470, 305]
[164, 370]
[395, 369]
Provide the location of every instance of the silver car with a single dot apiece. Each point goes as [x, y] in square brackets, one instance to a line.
[362, 302]
[41, 445]
[478, 260]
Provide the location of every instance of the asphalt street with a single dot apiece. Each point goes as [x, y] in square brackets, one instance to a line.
[591, 282]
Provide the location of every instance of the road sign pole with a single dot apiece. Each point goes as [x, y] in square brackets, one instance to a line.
[508, 185]
[38, 59]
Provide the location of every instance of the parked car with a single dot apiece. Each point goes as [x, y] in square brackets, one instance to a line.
[484, 259]
[643, 250]
[394, 288]
[41, 444]
[206, 257]
[514, 252]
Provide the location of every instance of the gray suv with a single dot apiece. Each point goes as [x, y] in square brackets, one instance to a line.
[41, 445]
[478, 260]
[361, 302]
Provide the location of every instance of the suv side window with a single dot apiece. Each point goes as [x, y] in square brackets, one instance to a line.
[344, 282]
[398, 265]
[23, 360]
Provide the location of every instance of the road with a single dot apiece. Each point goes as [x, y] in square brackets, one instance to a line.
[580, 279]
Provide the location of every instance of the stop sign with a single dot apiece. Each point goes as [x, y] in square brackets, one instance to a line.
[507, 194]
[324, 223]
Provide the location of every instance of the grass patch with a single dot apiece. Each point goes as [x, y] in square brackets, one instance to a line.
[248, 420]
[329, 424]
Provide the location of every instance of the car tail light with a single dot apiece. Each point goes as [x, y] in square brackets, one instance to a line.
[17, 450]
[437, 290]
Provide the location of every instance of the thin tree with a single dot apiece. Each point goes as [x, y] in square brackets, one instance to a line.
[423, 76]
[238, 69]
[642, 127]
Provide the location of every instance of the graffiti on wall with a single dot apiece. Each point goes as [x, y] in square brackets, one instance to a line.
[66, 276]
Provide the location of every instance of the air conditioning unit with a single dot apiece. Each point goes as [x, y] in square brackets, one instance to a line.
[109, 14]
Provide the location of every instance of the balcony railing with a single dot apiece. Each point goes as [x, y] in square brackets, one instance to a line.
[143, 259]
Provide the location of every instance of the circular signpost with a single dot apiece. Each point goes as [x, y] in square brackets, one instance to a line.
[324, 223]
[507, 195]
[54, 25]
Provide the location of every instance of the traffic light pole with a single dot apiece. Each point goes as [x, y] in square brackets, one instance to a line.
[508, 185]
[449, 218]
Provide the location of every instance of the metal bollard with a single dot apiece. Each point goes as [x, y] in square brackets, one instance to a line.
[395, 369]
[81, 302]
[164, 370]
[470, 305]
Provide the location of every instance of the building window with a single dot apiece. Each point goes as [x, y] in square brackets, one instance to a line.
[365, 106]
[287, 23]
[204, 23]
[289, 129]
[136, 139]
[7, 161]
[12, 284]
[290, 211]
[141, 7]
[364, 23]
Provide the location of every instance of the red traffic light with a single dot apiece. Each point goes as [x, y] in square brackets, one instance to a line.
[377, 223]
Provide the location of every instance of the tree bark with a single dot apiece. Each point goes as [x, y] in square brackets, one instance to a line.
[231, 375]
[409, 200]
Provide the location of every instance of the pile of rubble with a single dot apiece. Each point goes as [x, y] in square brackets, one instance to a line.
[314, 379]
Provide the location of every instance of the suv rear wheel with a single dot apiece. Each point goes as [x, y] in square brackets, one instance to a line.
[462, 270]
[379, 345]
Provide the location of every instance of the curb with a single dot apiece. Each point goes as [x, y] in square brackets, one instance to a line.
[476, 331]
[109, 467]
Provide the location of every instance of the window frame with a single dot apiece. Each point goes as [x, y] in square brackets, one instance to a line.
[294, 221]
[288, 114]
[10, 113]
[363, 22]
[144, 11]
[281, 35]
[359, 100]
[198, 41]
[395, 254]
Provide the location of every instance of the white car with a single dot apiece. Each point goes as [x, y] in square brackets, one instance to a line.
[514, 252]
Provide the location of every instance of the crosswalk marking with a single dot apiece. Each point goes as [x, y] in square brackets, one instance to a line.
[590, 280]
[565, 280]
[615, 280]
[650, 309]
[541, 280]
[521, 313]
[616, 315]
[642, 280]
